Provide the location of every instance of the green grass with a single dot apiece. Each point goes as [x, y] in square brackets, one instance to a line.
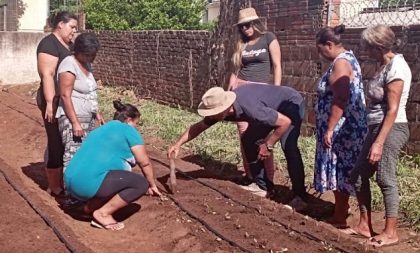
[221, 143]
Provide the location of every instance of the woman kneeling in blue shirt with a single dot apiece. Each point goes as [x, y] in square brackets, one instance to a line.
[100, 171]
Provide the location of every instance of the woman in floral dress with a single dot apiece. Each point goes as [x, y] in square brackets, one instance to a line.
[341, 124]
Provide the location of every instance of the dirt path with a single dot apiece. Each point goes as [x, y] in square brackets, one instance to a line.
[208, 214]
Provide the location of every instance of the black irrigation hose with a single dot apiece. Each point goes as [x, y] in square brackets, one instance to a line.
[61, 237]
[56, 231]
[305, 234]
[71, 248]
[205, 224]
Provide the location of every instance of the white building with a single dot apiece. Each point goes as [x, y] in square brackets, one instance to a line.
[23, 15]
[212, 11]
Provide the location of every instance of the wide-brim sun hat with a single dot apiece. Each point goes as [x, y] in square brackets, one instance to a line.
[215, 101]
[247, 15]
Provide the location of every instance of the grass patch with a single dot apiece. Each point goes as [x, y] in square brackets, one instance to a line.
[221, 142]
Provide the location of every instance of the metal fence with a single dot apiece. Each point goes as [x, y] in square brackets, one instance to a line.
[363, 13]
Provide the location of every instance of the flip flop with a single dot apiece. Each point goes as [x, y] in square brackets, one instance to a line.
[97, 224]
[353, 232]
[380, 243]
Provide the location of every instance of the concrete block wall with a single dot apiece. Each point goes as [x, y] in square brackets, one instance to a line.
[18, 57]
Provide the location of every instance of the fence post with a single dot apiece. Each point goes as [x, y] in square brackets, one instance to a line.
[4, 7]
[329, 12]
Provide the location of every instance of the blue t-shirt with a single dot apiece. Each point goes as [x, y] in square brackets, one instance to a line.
[105, 148]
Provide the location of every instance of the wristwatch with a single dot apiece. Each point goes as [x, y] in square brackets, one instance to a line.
[269, 147]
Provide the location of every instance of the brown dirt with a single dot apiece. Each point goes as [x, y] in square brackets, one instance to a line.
[250, 223]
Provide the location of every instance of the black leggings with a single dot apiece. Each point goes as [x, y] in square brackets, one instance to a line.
[128, 185]
[55, 143]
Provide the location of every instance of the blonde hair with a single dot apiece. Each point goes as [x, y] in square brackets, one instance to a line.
[259, 28]
[380, 37]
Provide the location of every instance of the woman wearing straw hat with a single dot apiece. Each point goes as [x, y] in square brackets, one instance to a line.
[257, 52]
[274, 113]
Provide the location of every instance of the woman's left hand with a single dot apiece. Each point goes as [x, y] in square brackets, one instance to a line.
[375, 152]
[328, 139]
[100, 118]
[153, 190]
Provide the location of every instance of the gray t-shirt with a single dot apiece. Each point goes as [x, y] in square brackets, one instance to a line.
[83, 96]
[259, 103]
[256, 61]
[396, 69]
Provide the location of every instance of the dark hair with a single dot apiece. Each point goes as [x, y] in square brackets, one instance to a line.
[125, 111]
[86, 43]
[330, 34]
[62, 16]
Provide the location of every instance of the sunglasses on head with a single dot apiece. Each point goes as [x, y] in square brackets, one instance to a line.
[245, 26]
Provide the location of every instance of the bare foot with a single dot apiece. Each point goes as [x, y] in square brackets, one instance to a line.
[357, 231]
[383, 240]
[106, 221]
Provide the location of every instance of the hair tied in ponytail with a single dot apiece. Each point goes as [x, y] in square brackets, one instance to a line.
[339, 29]
[118, 105]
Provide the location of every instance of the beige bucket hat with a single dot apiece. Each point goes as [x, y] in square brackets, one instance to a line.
[247, 15]
[215, 101]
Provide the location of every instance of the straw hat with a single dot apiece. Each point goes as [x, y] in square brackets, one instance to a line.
[247, 15]
[215, 101]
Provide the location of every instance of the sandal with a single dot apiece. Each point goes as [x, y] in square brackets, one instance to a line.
[112, 226]
[353, 232]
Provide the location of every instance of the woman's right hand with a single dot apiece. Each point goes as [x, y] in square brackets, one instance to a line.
[173, 151]
[153, 190]
[78, 130]
[49, 113]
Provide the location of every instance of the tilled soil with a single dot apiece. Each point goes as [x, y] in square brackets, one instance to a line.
[207, 213]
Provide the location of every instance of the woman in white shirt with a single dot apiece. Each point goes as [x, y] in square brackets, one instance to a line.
[388, 132]
[78, 108]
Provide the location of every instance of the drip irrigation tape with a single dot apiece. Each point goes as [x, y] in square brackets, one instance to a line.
[304, 233]
[56, 231]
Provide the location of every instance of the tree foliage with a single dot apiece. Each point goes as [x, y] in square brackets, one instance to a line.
[65, 5]
[144, 14]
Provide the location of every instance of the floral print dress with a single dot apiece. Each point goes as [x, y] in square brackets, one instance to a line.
[333, 166]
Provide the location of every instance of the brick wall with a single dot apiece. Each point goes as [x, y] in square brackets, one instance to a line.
[302, 67]
[177, 67]
[410, 48]
[168, 66]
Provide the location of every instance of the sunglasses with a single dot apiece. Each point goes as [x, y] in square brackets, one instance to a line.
[245, 26]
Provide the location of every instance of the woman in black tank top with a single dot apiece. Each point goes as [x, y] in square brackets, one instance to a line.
[50, 52]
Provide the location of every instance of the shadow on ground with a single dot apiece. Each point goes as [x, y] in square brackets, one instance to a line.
[70, 206]
[213, 169]
[36, 172]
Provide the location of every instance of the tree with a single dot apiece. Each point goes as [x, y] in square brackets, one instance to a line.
[144, 14]
[65, 5]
